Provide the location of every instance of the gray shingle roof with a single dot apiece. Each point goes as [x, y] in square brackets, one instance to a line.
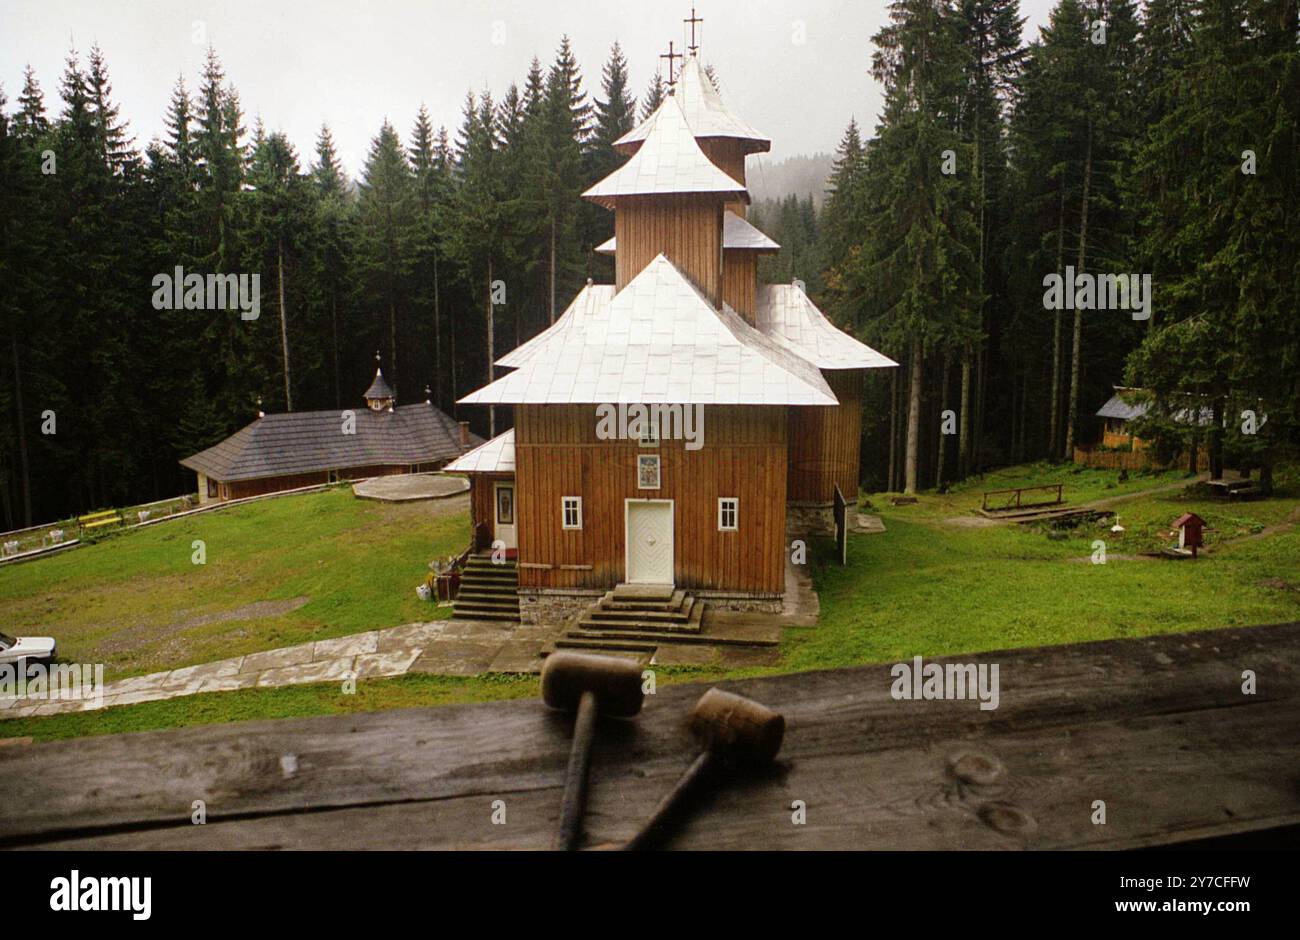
[379, 388]
[313, 441]
[1130, 403]
[1117, 407]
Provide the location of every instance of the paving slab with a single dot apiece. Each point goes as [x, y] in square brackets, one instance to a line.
[355, 645]
[479, 631]
[518, 656]
[147, 683]
[392, 663]
[243, 680]
[276, 659]
[456, 658]
[409, 636]
[222, 667]
[322, 671]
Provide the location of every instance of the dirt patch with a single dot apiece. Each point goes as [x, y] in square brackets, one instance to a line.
[1277, 584]
[134, 637]
[972, 522]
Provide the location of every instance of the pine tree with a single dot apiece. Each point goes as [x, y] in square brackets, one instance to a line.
[654, 95]
[917, 270]
[386, 216]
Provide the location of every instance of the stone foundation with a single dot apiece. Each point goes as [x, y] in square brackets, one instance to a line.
[740, 603]
[541, 607]
[810, 519]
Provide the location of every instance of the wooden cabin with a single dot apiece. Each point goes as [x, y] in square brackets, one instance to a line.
[280, 452]
[688, 335]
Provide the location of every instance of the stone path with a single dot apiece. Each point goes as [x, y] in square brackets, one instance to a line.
[443, 647]
[407, 487]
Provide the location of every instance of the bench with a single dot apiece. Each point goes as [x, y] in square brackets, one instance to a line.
[99, 520]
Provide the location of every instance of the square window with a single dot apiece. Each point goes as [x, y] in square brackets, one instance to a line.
[649, 433]
[728, 514]
[571, 512]
[647, 472]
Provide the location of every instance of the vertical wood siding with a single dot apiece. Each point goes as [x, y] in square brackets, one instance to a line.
[557, 454]
[740, 283]
[825, 443]
[687, 229]
[728, 155]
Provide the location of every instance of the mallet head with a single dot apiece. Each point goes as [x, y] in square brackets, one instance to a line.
[616, 682]
[737, 729]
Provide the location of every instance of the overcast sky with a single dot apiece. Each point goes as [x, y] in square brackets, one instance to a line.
[795, 69]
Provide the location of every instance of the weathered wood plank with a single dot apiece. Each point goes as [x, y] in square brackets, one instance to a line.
[1158, 728]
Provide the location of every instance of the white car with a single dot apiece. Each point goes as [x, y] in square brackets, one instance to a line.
[14, 648]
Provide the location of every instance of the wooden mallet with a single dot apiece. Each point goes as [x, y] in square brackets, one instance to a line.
[733, 731]
[591, 685]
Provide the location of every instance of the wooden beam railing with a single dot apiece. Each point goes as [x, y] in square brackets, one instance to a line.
[1017, 497]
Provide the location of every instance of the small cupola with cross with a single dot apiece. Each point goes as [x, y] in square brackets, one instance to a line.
[380, 395]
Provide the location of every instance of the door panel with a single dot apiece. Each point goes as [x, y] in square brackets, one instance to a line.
[649, 542]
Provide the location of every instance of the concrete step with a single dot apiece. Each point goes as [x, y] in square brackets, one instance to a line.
[650, 616]
[611, 601]
[476, 612]
[644, 622]
[510, 601]
[634, 646]
[644, 592]
[658, 638]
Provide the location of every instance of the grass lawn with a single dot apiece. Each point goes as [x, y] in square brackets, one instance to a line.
[932, 586]
[318, 565]
[938, 581]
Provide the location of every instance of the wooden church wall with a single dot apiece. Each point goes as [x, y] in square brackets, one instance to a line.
[687, 229]
[825, 443]
[728, 155]
[740, 283]
[558, 455]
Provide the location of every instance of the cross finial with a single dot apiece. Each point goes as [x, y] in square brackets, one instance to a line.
[694, 47]
[670, 56]
[377, 360]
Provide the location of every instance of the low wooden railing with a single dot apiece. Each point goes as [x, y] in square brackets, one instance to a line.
[1018, 494]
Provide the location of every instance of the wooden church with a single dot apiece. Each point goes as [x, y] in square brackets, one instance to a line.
[687, 326]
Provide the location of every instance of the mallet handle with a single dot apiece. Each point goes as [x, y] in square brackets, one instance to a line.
[652, 829]
[575, 783]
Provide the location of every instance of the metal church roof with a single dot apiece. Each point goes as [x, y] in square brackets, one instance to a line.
[786, 314]
[737, 234]
[590, 298]
[659, 340]
[496, 456]
[669, 161]
[705, 112]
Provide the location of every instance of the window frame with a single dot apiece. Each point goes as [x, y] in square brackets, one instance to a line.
[564, 513]
[734, 508]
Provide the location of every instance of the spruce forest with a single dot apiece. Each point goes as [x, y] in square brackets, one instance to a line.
[1160, 139]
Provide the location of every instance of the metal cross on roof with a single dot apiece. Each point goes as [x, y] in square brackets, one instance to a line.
[670, 56]
[694, 47]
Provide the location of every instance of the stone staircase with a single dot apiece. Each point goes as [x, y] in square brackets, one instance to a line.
[638, 618]
[488, 591]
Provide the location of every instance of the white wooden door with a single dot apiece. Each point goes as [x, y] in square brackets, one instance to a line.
[506, 526]
[649, 541]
